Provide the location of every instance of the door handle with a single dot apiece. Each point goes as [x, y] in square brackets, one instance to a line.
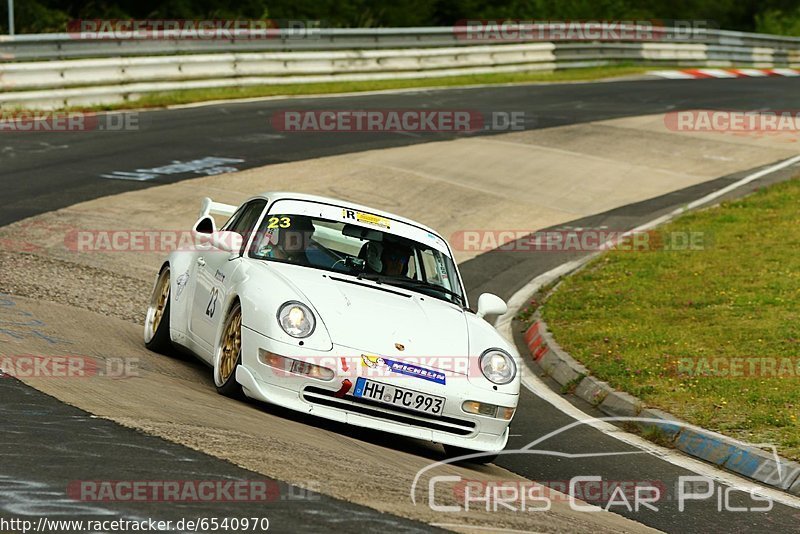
[201, 262]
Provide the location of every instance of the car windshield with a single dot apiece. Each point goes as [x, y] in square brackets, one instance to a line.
[364, 252]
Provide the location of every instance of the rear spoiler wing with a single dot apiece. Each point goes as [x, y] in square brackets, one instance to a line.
[209, 207]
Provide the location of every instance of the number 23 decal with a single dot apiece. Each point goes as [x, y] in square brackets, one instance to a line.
[279, 222]
[211, 309]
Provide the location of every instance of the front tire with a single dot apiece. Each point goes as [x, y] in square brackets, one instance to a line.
[451, 451]
[156, 324]
[228, 355]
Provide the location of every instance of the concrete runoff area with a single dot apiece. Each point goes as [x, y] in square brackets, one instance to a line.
[176, 400]
[522, 181]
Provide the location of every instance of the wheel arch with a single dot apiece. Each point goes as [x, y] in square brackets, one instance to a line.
[179, 265]
[231, 299]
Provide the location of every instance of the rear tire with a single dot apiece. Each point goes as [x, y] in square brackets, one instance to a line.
[228, 355]
[452, 451]
[156, 325]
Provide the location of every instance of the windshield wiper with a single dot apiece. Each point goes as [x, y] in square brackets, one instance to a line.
[421, 284]
[374, 277]
[395, 281]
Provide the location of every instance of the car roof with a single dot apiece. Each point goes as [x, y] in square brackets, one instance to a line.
[278, 195]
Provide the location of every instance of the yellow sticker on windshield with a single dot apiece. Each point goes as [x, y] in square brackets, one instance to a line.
[366, 218]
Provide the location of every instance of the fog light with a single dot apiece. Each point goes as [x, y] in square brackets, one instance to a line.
[309, 369]
[273, 360]
[479, 408]
[505, 413]
[297, 367]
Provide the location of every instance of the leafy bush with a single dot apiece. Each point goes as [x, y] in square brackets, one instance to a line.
[779, 22]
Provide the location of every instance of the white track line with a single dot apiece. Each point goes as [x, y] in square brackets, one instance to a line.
[723, 73]
[718, 73]
[755, 73]
[673, 74]
[786, 72]
[469, 527]
[536, 386]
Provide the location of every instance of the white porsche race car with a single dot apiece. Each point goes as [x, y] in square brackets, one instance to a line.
[343, 312]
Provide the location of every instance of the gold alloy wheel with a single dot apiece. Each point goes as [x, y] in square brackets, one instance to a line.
[160, 297]
[231, 345]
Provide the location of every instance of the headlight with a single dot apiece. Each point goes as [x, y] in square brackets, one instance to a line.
[490, 410]
[498, 366]
[296, 319]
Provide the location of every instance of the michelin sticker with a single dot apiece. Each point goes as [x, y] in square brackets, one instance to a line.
[376, 362]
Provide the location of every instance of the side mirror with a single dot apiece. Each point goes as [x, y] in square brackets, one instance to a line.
[489, 304]
[205, 225]
[227, 241]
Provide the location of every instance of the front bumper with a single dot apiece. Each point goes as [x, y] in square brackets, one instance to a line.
[318, 397]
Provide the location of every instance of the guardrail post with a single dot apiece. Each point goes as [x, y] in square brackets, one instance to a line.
[10, 17]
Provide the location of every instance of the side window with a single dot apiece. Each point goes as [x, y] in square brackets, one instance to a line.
[244, 221]
[412, 266]
[234, 218]
[431, 271]
[437, 268]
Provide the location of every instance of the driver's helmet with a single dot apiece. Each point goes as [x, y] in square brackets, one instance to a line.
[372, 255]
[395, 256]
[296, 236]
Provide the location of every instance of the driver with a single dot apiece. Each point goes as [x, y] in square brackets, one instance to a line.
[395, 258]
[292, 243]
[297, 240]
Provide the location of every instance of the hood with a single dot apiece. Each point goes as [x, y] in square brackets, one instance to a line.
[373, 318]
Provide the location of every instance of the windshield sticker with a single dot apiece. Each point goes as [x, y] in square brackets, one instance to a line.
[442, 271]
[366, 218]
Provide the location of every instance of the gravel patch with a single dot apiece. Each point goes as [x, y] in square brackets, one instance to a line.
[52, 280]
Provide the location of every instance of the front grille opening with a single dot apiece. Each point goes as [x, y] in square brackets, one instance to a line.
[379, 410]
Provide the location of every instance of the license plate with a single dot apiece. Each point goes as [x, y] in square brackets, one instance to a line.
[401, 397]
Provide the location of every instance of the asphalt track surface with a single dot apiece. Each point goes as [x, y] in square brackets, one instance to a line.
[46, 171]
[46, 446]
[43, 171]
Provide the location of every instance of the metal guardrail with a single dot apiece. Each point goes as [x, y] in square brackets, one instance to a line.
[73, 45]
[53, 74]
[68, 71]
